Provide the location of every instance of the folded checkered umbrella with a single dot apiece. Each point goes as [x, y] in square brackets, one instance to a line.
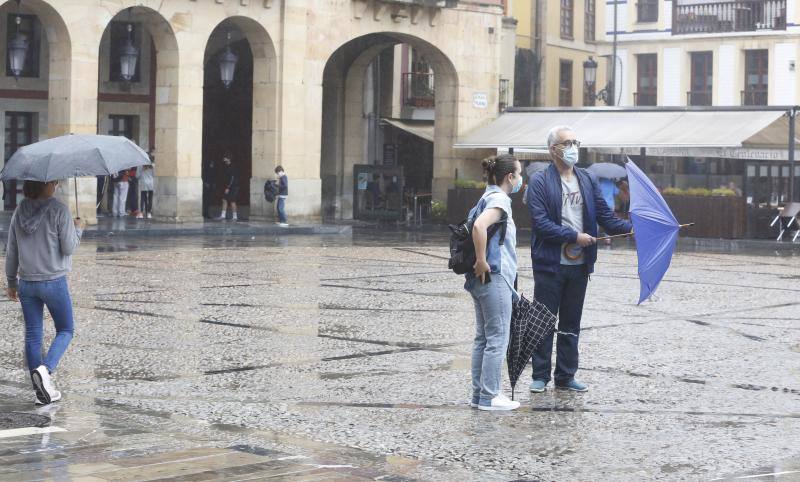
[531, 321]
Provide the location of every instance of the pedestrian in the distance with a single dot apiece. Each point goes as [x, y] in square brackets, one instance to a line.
[566, 205]
[231, 189]
[41, 239]
[132, 203]
[121, 180]
[283, 193]
[491, 283]
[147, 185]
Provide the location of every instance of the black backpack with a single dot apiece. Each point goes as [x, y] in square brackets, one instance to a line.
[270, 190]
[462, 250]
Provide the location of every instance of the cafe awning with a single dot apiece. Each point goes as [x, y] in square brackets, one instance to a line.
[420, 128]
[661, 128]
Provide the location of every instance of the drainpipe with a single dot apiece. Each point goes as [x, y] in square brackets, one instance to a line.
[792, 113]
[614, 59]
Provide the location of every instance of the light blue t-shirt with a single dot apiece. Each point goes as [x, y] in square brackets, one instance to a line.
[502, 259]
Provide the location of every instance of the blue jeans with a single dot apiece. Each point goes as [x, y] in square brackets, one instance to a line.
[34, 295]
[563, 294]
[492, 325]
[282, 209]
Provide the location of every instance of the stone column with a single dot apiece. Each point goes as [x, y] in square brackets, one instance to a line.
[299, 120]
[179, 127]
[72, 95]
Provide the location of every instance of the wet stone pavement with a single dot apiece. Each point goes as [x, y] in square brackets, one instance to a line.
[346, 357]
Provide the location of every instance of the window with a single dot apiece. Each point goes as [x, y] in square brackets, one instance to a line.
[119, 37]
[19, 133]
[646, 83]
[755, 77]
[122, 125]
[565, 83]
[647, 11]
[702, 76]
[589, 20]
[30, 29]
[566, 19]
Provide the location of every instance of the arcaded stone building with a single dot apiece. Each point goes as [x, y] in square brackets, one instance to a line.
[296, 97]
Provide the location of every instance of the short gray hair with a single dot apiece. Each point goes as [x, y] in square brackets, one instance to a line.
[552, 136]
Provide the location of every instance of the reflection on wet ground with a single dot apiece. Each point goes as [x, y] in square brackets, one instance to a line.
[348, 357]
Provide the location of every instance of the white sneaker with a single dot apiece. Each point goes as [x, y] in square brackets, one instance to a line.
[235, 218]
[149, 216]
[500, 402]
[140, 216]
[56, 397]
[221, 217]
[283, 225]
[45, 391]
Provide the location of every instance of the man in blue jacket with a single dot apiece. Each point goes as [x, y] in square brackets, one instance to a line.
[565, 204]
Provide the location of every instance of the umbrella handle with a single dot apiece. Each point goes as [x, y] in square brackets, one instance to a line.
[631, 233]
[75, 182]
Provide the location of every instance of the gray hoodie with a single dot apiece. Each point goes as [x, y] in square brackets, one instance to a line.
[41, 240]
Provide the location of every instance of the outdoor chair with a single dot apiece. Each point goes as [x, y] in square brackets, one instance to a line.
[789, 219]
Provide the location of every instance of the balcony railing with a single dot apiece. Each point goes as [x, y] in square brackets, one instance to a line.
[698, 97]
[720, 17]
[754, 97]
[503, 95]
[644, 98]
[418, 90]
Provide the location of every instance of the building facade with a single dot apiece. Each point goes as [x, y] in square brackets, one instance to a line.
[296, 97]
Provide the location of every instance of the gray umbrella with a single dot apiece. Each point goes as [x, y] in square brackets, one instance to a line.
[535, 167]
[607, 170]
[74, 155]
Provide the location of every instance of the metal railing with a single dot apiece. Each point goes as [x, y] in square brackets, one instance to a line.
[502, 102]
[418, 90]
[754, 97]
[698, 97]
[644, 98]
[720, 17]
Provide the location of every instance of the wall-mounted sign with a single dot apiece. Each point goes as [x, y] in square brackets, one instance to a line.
[480, 100]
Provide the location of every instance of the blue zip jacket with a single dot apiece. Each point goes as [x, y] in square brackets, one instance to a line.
[544, 206]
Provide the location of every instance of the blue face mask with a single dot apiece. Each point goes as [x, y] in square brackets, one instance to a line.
[517, 186]
[570, 156]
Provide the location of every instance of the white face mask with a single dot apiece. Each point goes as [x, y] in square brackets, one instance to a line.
[570, 156]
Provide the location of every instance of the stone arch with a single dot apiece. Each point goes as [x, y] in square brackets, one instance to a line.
[167, 137]
[343, 78]
[59, 48]
[263, 138]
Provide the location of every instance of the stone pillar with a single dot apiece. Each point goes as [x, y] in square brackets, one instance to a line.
[178, 198]
[179, 126]
[300, 117]
[72, 95]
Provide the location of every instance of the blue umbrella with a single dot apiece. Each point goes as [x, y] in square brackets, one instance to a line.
[607, 170]
[656, 230]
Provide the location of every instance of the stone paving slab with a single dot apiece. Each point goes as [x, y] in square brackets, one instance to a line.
[353, 355]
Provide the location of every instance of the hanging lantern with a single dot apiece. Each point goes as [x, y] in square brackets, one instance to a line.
[17, 49]
[128, 56]
[227, 65]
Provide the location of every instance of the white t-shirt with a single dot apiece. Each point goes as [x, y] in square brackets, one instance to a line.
[571, 214]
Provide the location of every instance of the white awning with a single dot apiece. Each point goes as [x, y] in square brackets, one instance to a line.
[616, 129]
[421, 129]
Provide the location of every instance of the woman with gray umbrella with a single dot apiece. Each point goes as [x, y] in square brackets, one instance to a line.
[41, 239]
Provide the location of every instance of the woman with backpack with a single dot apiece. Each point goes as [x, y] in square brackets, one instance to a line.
[492, 280]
